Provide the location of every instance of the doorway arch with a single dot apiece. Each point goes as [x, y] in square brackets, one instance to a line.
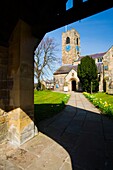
[73, 83]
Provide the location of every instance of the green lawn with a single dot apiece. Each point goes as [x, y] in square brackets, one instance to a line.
[48, 103]
[105, 97]
[102, 101]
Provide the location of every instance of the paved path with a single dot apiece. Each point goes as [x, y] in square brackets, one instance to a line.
[78, 138]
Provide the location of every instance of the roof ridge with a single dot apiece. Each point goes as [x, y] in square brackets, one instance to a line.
[94, 54]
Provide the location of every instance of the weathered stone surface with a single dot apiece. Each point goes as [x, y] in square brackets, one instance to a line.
[108, 73]
[16, 85]
[3, 125]
[110, 91]
[20, 127]
[3, 131]
[68, 57]
[3, 78]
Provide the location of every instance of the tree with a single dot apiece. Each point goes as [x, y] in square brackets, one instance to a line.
[45, 59]
[87, 73]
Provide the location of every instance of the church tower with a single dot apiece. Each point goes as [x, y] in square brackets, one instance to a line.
[70, 46]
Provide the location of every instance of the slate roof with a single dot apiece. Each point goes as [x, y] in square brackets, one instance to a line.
[65, 69]
[98, 55]
[94, 56]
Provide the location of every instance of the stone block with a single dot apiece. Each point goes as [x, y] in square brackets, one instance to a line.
[16, 84]
[110, 91]
[21, 127]
[3, 125]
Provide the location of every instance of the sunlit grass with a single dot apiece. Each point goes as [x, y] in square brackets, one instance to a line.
[105, 97]
[48, 103]
[102, 101]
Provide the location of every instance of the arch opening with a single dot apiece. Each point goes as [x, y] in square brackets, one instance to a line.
[67, 40]
[73, 83]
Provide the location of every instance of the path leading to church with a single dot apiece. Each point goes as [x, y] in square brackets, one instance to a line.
[78, 138]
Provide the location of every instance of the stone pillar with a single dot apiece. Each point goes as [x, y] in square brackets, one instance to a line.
[21, 125]
[3, 77]
[4, 95]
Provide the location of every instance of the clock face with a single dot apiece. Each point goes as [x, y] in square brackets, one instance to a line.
[68, 47]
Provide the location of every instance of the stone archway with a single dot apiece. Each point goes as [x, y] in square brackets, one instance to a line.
[73, 83]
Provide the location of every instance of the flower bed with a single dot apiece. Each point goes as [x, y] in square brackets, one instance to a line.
[105, 107]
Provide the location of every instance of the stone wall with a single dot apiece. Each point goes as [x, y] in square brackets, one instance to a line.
[72, 76]
[4, 93]
[20, 127]
[59, 80]
[68, 57]
[3, 125]
[108, 69]
[17, 86]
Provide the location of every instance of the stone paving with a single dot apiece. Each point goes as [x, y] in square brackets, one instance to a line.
[78, 138]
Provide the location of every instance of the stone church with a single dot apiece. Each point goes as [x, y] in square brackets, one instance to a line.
[66, 78]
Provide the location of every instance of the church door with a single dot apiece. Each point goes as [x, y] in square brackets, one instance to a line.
[73, 85]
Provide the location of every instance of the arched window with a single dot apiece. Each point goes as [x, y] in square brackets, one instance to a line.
[99, 60]
[77, 41]
[67, 40]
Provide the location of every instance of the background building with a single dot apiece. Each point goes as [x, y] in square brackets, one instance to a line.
[70, 46]
[66, 75]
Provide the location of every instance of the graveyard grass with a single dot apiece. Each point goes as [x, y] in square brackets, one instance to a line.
[105, 97]
[48, 103]
[102, 101]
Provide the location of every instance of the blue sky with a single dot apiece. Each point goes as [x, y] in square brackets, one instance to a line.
[96, 33]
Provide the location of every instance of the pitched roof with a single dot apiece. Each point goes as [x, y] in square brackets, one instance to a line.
[97, 55]
[65, 69]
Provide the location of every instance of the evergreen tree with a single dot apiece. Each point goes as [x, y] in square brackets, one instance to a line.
[87, 73]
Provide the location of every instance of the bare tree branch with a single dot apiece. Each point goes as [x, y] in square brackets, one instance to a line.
[45, 59]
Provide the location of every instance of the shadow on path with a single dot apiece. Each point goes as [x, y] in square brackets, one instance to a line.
[78, 138]
[87, 136]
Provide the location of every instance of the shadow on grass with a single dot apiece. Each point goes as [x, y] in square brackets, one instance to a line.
[44, 111]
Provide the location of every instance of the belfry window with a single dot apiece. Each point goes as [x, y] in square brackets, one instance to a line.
[67, 40]
[77, 41]
[99, 60]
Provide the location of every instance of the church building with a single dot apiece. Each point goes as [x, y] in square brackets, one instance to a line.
[66, 78]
